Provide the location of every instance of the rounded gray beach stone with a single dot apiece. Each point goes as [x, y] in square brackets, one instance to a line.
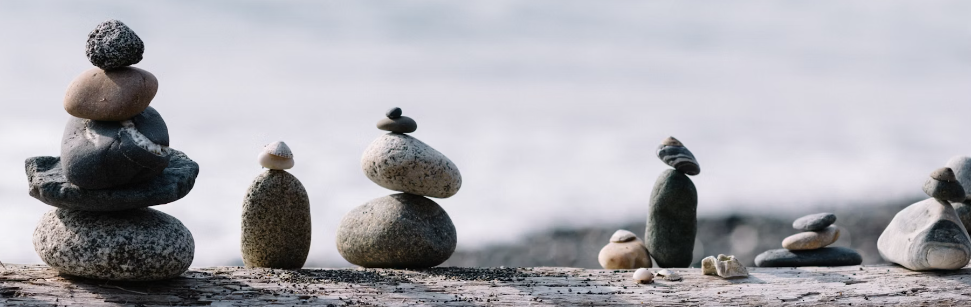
[138, 244]
[814, 222]
[827, 256]
[110, 95]
[112, 44]
[403, 163]
[393, 113]
[673, 153]
[672, 220]
[944, 185]
[963, 210]
[401, 124]
[102, 154]
[49, 185]
[927, 235]
[397, 231]
[276, 222]
[961, 166]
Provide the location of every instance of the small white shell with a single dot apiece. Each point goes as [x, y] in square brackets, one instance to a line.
[623, 236]
[279, 149]
[274, 162]
[669, 275]
[643, 276]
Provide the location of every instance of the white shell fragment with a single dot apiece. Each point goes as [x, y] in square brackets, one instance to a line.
[708, 266]
[276, 155]
[643, 276]
[724, 266]
[668, 275]
[623, 236]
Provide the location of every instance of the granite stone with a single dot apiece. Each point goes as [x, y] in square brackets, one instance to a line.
[397, 231]
[112, 44]
[48, 184]
[401, 124]
[276, 222]
[827, 256]
[814, 222]
[927, 235]
[403, 163]
[672, 220]
[812, 239]
[110, 95]
[132, 245]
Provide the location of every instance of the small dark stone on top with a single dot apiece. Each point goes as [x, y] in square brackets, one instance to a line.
[944, 174]
[394, 113]
[112, 44]
[814, 222]
[402, 124]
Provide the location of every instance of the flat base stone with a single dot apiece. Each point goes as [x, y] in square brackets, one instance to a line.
[49, 185]
[827, 256]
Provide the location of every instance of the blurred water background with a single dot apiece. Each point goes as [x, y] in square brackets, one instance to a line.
[551, 109]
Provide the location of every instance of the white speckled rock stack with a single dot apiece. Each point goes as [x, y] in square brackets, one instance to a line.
[115, 163]
[405, 230]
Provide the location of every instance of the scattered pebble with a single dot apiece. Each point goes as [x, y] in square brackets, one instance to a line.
[643, 276]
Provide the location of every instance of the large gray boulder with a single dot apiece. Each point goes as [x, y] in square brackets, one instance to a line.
[927, 235]
[403, 163]
[672, 220]
[135, 245]
[276, 222]
[48, 184]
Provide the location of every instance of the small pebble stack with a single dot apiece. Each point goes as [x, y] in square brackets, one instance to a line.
[276, 214]
[115, 163]
[624, 252]
[405, 230]
[808, 248]
[672, 217]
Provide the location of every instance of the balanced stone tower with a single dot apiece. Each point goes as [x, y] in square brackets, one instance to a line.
[809, 247]
[115, 163]
[929, 235]
[405, 230]
[276, 214]
[672, 218]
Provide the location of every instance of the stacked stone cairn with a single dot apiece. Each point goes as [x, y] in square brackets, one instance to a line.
[276, 214]
[405, 230]
[929, 235]
[672, 217]
[809, 248]
[115, 163]
[624, 252]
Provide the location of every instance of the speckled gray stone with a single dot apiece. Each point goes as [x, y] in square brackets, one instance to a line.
[814, 222]
[927, 235]
[672, 220]
[276, 222]
[673, 153]
[403, 163]
[113, 44]
[104, 154]
[397, 231]
[48, 184]
[138, 244]
[944, 185]
[827, 256]
[401, 124]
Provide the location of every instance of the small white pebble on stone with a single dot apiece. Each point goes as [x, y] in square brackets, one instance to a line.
[643, 276]
[276, 155]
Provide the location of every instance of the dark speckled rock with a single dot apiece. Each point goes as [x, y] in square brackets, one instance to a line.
[402, 163]
[139, 244]
[276, 222]
[397, 231]
[113, 44]
[672, 220]
[827, 256]
[814, 222]
[48, 184]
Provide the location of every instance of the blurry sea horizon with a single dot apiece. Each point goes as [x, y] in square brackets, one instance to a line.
[551, 110]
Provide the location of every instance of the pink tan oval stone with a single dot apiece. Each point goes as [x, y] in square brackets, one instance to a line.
[113, 95]
[812, 239]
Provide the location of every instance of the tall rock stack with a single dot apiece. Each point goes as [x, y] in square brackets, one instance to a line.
[405, 230]
[672, 217]
[115, 163]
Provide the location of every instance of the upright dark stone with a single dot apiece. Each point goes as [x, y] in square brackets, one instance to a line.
[672, 220]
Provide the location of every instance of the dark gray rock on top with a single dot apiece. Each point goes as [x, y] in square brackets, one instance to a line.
[106, 154]
[673, 153]
[814, 222]
[397, 231]
[49, 185]
[135, 245]
[276, 222]
[393, 113]
[401, 124]
[672, 220]
[827, 256]
[944, 185]
[112, 44]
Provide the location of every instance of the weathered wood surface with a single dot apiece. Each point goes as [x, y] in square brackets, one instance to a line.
[37, 285]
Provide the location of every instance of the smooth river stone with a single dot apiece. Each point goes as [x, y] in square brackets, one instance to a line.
[276, 222]
[814, 222]
[397, 231]
[110, 95]
[625, 251]
[49, 185]
[672, 220]
[812, 239]
[827, 256]
[961, 166]
[132, 245]
[927, 235]
[403, 163]
[674, 154]
[112, 44]
[943, 184]
[400, 124]
[101, 155]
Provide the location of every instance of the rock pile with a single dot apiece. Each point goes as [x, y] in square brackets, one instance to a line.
[929, 235]
[808, 248]
[115, 163]
[672, 216]
[624, 252]
[276, 214]
[405, 230]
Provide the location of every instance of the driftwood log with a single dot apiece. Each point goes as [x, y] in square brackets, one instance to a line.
[38, 285]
